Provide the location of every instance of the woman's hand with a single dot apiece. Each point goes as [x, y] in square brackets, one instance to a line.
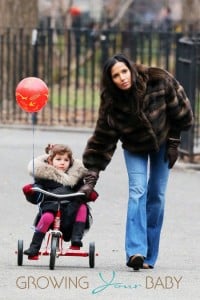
[90, 181]
[171, 154]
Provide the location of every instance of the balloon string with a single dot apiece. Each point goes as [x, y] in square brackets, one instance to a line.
[33, 127]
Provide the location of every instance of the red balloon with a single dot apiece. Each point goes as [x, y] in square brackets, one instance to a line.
[32, 94]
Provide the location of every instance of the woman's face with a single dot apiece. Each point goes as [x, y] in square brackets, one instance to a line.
[121, 76]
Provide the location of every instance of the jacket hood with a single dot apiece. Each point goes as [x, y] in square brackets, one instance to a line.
[39, 168]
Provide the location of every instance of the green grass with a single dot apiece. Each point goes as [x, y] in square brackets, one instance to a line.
[75, 97]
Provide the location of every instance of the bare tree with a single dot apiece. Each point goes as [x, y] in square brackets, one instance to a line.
[114, 11]
[122, 9]
[17, 19]
[191, 13]
[18, 13]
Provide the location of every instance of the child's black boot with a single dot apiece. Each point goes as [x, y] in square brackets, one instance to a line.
[77, 234]
[35, 245]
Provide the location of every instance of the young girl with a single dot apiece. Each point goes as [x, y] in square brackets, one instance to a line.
[59, 173]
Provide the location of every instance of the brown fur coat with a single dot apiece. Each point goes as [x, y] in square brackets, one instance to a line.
[155, 109]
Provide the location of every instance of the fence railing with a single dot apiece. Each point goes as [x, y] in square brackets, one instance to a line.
[188, 73]
[70, 63]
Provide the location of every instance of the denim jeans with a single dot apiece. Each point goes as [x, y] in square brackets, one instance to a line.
[148, 176]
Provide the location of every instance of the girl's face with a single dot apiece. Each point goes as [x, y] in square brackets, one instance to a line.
[121, 76]
[61, 162]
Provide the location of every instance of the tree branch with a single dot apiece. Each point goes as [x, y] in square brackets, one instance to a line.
[121, 13]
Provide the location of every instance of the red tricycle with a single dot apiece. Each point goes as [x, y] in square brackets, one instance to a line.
[54, 245]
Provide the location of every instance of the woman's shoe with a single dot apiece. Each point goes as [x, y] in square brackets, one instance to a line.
[147, 266]
[136, 262]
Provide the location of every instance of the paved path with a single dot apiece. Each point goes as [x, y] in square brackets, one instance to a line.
[176, 275]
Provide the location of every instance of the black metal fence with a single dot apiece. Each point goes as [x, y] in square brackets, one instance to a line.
[188, 73]
[70, 63]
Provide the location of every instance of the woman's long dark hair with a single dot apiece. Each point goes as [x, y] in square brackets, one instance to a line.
[110, 93]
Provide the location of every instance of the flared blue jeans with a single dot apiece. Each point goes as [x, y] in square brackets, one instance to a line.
[148, 176]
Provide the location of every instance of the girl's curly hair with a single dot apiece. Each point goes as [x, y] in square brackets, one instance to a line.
[52, 150]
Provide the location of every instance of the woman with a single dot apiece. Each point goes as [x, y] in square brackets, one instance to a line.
[146, 109]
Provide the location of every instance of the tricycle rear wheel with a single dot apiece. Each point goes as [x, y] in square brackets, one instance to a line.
[92, 255]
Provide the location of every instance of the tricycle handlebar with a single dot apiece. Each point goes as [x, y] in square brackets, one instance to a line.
[37, 189]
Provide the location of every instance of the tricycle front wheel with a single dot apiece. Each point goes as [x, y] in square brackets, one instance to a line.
[54, 243]
[20, 252]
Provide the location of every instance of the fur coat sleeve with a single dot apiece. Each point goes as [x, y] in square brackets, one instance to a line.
[39, 168]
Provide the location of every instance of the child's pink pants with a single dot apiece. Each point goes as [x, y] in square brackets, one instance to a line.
[47, 218]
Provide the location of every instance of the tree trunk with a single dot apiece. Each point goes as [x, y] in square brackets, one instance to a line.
[191, 13]
[19, 13]
[17, 20]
